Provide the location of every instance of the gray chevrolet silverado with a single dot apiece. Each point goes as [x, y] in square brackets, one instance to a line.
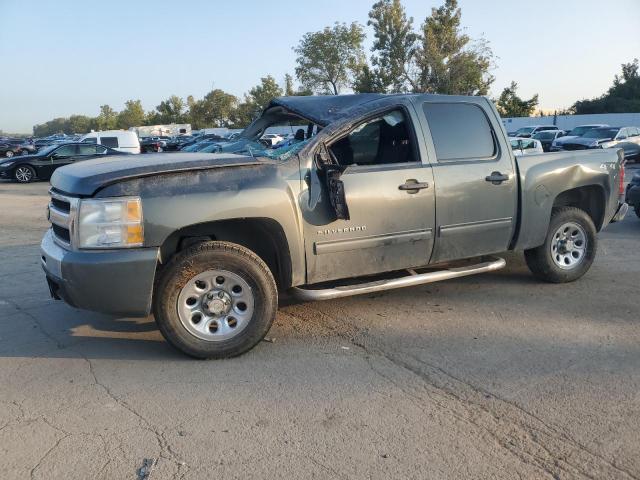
[373, 192]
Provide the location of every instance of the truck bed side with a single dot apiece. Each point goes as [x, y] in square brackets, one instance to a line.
[587, 180]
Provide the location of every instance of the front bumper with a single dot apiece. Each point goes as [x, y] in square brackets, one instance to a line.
[118, 282]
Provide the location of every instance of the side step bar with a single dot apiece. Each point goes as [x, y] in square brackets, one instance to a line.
[307, 294]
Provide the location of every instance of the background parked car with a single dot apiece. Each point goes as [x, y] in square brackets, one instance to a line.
[575, 132]
[525, 146]
[41, 166]
[626, 138]
[632, 196]
[547, 138]
[527, 132]
[124, 141]
[9, 150]
[176, 142]
[271, 139]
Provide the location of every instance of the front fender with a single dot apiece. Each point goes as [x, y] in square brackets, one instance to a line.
[175, 201]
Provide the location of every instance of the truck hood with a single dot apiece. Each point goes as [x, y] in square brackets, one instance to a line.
[86, 177]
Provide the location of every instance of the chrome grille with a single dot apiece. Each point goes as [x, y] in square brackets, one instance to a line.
[61, 214]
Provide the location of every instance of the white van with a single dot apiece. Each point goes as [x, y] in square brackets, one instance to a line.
[121, 140]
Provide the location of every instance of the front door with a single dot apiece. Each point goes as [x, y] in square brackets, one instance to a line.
[389, 197]
[475, 179]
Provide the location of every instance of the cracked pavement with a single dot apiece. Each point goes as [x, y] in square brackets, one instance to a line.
[493, 376]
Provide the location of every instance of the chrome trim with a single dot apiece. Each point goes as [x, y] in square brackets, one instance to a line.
[372, 241]
[413, 279]
[475, 227]
[64, 219]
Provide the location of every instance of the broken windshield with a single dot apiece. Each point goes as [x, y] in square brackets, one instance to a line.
[282, 152]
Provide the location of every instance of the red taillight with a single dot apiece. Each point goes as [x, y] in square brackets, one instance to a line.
[621, 186]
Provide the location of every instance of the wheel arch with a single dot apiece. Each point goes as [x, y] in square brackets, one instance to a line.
[263, 236]
[590, 198]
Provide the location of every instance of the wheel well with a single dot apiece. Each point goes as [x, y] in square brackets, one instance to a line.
[263, 236]
[590, 198]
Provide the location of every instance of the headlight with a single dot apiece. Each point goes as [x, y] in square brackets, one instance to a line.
[110, 223]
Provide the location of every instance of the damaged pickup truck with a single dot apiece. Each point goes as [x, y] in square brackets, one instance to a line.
[373, 192]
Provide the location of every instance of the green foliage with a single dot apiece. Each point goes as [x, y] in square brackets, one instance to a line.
[216, 109]
[328, 60]
[107, 119]
[394, 48]
[256, 101]
[509, 104]
[622, 97]
[448, 61]
[132, 116]
[368, 81]
[171, 110]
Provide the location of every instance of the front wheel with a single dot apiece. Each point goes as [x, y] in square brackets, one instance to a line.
[569, 248]
[24, 174]
[215, 300]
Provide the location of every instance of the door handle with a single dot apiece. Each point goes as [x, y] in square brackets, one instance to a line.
[497, 178]
[413, 186]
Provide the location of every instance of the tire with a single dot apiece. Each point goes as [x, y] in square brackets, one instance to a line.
[569, 248]
[8, 154]
[637, 210]
[215, 300]
[24, 174]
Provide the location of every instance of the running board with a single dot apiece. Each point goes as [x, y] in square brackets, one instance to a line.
[413, 279]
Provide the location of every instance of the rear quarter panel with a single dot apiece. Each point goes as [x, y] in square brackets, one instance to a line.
[544, 177]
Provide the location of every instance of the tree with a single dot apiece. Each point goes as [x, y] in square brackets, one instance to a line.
[509, 104]
[169, 111]
[622, 97]
[79, 124]
[448, 61]
[132, 115]
[256, 101]
[107, 119]
[288, 86]
[368, 81]
[329, 59]
[216, 109]
[394, 48]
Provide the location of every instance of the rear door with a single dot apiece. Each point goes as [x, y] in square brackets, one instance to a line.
[474, 175]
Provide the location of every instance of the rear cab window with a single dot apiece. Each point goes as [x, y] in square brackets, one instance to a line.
[460, 131]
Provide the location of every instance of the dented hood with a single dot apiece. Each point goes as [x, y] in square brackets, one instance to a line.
[86, 177]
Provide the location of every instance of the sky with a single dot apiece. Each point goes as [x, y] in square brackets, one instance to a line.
[69, 57]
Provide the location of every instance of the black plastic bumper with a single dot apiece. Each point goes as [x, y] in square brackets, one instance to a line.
[118, 282]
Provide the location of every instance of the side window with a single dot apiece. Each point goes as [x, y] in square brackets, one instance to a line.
[634, 132]
[100, 150]
[86, 149]
[460, 131]
[65, 151]
[515, 144]
[90, 140]
[623, 133]
[382, 140]
[111, 142]
[528, 144]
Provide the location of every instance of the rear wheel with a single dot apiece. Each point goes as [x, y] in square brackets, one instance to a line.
[569, 248]
[8, 154]
[215, 300]
[24, 174]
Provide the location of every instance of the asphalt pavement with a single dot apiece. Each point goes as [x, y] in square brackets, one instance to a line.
[493, 376]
